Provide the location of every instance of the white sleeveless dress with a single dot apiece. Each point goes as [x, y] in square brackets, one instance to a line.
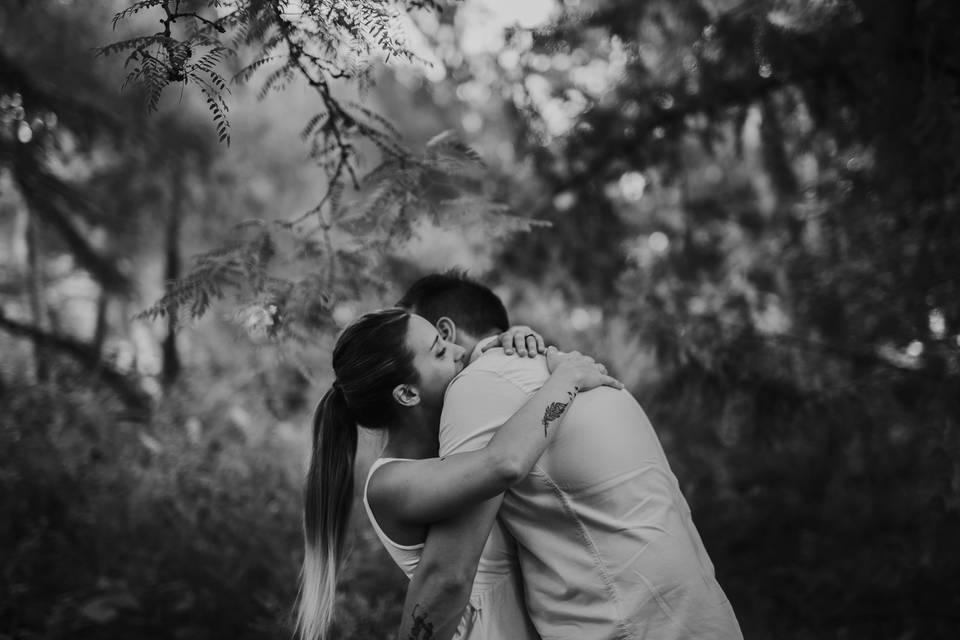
[496, 610]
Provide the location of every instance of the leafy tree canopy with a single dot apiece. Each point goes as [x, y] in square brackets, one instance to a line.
[340, 243]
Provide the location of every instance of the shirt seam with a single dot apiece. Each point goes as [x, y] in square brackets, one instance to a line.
[623, 630]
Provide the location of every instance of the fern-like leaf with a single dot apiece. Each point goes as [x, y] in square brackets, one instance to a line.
[134, 9]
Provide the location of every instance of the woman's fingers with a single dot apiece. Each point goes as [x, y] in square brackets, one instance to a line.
[601, 378]
[595, 373]
[610, 381]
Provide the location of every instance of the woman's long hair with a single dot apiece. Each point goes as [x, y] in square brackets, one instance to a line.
[369, 360]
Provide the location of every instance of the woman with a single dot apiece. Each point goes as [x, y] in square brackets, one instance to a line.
[391, 371]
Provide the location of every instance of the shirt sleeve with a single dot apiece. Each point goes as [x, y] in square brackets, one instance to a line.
[475, 406]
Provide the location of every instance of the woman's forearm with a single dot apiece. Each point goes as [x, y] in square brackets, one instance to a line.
[522, 439]
[429, 490]
[441, 585]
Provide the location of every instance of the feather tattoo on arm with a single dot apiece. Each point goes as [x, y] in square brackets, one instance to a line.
[555, 410]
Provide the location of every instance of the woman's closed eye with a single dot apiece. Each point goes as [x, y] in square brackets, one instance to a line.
[441, 353]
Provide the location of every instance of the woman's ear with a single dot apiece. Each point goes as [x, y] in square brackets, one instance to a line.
[447, 329]
[406, 395]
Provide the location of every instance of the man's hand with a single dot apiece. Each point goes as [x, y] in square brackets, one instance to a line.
[520, 338]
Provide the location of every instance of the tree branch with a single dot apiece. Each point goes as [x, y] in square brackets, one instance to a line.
[38, 189]
[85, 354]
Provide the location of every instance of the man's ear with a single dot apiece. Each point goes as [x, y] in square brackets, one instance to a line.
[406, 395]
[447, 329]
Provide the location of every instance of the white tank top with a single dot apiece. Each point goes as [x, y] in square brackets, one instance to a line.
[496, 609]
[407, 557]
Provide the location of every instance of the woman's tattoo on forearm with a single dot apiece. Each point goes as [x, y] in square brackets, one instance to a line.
[421, 629]
[555, 410]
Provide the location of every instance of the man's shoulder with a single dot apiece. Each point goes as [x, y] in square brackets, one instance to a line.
[495, 360]
[484, 396]
[527, 373]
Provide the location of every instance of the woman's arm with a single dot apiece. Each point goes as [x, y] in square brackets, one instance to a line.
[425, 491]
[441, 585]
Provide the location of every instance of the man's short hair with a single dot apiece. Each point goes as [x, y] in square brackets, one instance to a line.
[472, 306]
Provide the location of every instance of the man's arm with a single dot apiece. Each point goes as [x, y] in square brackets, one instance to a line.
[441, 585]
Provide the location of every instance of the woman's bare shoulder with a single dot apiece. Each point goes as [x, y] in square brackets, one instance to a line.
[386, 481]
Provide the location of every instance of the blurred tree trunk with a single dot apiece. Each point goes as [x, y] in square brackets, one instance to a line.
[100, 332]
[171, 357]
[35, 295]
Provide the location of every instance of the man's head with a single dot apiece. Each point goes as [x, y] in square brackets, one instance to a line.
[462, 309]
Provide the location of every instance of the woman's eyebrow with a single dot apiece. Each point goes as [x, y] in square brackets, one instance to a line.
[435, 341]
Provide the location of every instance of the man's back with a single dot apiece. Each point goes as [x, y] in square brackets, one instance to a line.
[606, 543]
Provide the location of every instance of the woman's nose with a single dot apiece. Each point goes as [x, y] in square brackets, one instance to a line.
[458, 352]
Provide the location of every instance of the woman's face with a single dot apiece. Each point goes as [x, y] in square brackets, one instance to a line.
[436, 360]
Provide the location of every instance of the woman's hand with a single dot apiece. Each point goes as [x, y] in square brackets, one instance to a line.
[587, 372]
[522, 339]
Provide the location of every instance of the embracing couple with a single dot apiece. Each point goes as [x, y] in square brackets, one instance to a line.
[524, 497]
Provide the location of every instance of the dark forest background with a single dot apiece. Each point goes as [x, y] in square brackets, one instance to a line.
[747, 208]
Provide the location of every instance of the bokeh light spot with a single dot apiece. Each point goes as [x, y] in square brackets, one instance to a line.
[658, 242]
[632, 185]
[343, 314]
[564, 201]
[665, 100]
[938, 324]
[24, 132]
[915, 349]
[583, 318]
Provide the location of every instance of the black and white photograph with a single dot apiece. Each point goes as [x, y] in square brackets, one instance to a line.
[479, 320]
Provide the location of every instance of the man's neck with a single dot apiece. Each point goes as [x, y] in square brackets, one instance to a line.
[469, 342]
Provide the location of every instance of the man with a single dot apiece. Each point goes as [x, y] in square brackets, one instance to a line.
[606, 545]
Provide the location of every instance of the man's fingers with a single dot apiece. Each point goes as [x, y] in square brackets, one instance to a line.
[507, 344]
[541, 347]
[494, 344]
